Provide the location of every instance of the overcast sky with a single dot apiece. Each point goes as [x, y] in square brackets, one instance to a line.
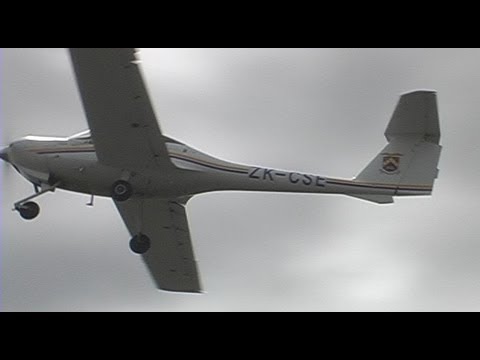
[319, 111]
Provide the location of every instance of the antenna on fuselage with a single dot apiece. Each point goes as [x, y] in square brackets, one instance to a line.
[91, 203]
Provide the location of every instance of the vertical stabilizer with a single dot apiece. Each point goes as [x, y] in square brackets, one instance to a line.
[409, 161]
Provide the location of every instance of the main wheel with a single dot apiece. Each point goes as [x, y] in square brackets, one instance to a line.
[140, 244]
[29, 211]
[121, 191]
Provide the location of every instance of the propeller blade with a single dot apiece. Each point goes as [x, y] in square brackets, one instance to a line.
[6, 171]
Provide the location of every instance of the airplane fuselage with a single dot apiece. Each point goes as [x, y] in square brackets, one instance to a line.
[72, 164]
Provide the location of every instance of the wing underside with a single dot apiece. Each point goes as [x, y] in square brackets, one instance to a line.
[171, 259]
[126, 135]
[118, 108]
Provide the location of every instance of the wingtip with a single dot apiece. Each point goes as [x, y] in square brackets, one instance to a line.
[419, 91]
[184, 292]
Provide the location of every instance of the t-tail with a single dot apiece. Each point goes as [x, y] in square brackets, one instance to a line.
[409, 162]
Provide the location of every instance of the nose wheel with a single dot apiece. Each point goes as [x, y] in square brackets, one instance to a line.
[29, 210]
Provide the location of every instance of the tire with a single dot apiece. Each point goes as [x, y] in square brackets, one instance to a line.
[140, 244]
[122, 191]
[29, 211]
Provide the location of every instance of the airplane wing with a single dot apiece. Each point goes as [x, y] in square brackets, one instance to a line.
[170, 260]
[118, 109]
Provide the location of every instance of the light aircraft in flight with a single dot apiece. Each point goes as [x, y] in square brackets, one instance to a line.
[151, 177]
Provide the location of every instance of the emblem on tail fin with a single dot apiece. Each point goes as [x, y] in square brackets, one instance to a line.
[391, 163]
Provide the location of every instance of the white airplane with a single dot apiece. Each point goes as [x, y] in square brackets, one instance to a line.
[151, 177]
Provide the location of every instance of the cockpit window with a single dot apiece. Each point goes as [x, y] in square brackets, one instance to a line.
[84, 135]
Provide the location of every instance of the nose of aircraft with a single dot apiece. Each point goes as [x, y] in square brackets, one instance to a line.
[4, 154]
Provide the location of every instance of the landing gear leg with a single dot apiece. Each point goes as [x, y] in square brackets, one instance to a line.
[29, 210]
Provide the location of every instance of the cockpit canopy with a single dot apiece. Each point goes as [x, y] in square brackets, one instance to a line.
[84, 135]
